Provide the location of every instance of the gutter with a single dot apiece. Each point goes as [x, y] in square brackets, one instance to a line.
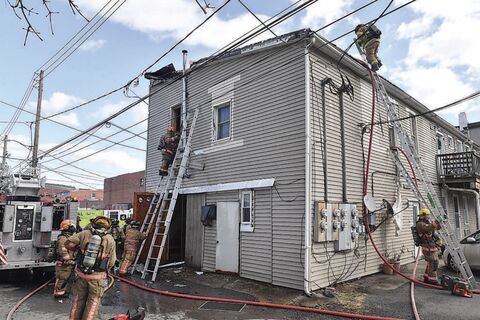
[308, 185]
[477, 199]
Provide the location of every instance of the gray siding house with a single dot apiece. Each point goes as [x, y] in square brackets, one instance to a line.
[269, 137]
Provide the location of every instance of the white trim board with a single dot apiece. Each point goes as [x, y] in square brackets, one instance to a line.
[252, 184]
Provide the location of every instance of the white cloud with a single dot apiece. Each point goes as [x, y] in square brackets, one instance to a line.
[92, 45]
[109, 109]
[325, 11]
[433, 86]
[174, 19]
[58, 102]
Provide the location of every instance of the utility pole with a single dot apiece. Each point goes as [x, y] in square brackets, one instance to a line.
[5, 153]
[37, 122]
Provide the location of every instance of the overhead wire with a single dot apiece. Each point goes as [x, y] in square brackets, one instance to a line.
[212, 57]
[176, 79]
[69, 126]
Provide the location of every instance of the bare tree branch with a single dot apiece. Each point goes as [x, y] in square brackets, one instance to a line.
[49, 14]
[23, 12]
[76, 9]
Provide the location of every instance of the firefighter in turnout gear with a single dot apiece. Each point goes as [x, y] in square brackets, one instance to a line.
[95, 257]
[427, 240]
[168, 146]
[368, 38]
[118, 236]
[65, 259]
[133, 240]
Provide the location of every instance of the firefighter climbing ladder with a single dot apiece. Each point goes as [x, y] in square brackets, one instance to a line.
[429, 196]
[165, 196]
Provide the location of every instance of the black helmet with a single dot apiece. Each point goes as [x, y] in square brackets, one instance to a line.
[135, 224]
[358, 27]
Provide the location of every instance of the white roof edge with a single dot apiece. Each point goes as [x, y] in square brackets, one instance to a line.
[251, 184]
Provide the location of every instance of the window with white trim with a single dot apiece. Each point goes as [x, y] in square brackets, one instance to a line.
[466, 216]
[450, 141]
[440, 143]
[459, 146]
[246, 211]
[222, 121]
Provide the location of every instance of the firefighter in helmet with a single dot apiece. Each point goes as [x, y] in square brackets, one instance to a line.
[368, 38]
[65, 259]
[426, 235]
[133, 240]
[168, 146]
[95, 257]
[118, 236]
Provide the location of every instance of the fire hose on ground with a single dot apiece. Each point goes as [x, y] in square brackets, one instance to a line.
[253, 303]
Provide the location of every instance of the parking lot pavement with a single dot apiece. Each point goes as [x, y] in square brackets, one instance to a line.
[379, 294]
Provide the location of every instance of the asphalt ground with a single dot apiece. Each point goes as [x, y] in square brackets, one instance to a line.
[379, 294]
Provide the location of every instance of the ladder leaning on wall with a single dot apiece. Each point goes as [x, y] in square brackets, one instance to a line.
[424, 191]
[162, 205]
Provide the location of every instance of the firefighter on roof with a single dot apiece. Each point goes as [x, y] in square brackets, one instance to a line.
[133, 240]
[168, 146]
[65, 259]
[368, 37]
[426, 236]
[95, 257]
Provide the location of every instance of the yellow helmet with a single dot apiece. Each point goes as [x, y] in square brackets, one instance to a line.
[424, 213]
[102, 222]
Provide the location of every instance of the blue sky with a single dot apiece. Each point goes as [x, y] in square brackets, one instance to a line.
[427, 49]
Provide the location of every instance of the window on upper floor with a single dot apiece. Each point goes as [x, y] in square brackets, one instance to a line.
[440, 143]
[176, 118]
[222, 121]
[450, 142]
[459, 146]
[246, 211]
[413, 129]
[141, 182]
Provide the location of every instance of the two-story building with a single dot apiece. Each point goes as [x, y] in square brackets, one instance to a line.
[280, 137]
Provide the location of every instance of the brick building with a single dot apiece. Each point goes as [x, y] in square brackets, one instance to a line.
[119, 190]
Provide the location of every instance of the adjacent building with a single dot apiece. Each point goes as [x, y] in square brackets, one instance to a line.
[281, 134]
[119, 191]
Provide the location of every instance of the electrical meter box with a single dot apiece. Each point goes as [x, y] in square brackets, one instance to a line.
[335, 221]
[321, 222]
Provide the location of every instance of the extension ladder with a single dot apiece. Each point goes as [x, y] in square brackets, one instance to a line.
[425, 193]
[162, 205]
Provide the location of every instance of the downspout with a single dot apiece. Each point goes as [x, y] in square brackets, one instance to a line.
[324, 132]
[477, 200]
[342, 143]
[184, 94]
[308, 186]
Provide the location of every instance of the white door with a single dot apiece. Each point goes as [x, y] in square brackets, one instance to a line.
[228, 225]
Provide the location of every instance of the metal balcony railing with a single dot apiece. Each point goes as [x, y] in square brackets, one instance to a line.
[458, 165]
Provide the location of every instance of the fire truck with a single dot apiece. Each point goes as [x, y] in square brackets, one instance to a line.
[28, 227]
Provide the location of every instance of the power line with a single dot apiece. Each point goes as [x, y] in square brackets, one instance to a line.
[68, 126]
[211, 58]
[71, 179]
[471, 96]
[89, 145]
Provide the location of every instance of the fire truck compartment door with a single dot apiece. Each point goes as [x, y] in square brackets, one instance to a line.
[8, 218]
[47, 219]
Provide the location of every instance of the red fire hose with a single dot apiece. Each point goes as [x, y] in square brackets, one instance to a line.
[365, 188]
[28, 296]
[253, 303]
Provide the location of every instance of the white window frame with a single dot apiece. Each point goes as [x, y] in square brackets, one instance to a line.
[441, 136]
[413, 127]
[459, 143]
[215, 121]
[466, 215]
[450, 141]
[247, 226]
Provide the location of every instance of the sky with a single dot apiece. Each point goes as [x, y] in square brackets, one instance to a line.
[428, 49]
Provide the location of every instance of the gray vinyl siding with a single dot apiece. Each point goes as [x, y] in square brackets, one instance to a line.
[268, 115]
